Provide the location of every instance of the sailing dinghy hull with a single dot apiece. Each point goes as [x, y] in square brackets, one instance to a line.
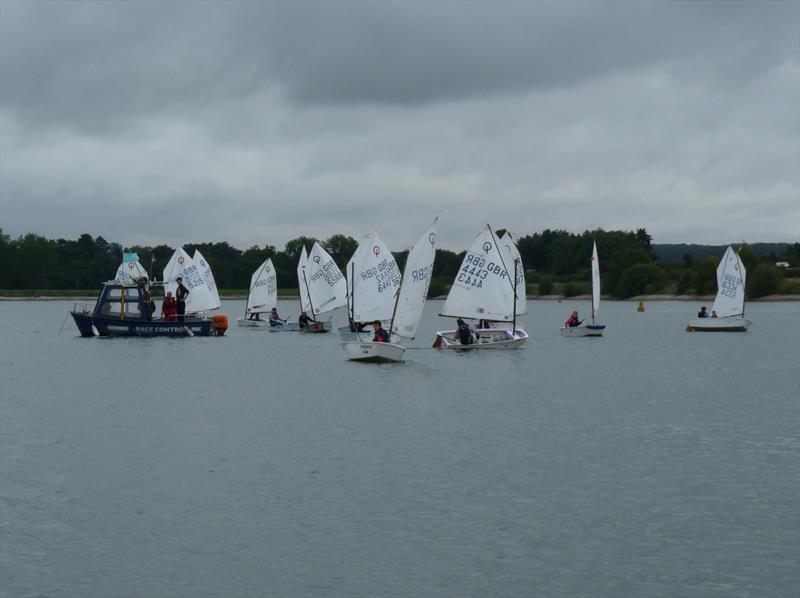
[732, 324]
[370, 352]
[248, 323]
[589, 330]
[285, 327]
[488, 338]
[317, 327]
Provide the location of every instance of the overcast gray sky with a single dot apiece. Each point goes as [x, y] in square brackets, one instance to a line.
[253, 123]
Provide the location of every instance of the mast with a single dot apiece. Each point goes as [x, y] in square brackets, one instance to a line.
[396, 302]
[741, 266]
[591, 273]
[514, 320]
[308, 293]
[351, 297]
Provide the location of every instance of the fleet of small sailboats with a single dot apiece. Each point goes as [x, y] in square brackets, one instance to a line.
[727, 313]
[489, 288]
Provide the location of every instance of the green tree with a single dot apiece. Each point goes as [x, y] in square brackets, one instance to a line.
[341, 248]
[639, 279]
[763, 280]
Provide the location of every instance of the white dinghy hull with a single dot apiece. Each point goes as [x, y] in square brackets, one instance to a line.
[313, 327]
[247, 323]
[370, 352]
[583, 331]
[285, 327]
[732, 324]
[488, 338]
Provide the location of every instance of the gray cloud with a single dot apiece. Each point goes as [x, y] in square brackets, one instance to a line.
[277, 119]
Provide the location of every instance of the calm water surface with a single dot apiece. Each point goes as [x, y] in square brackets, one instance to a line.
[651, 462]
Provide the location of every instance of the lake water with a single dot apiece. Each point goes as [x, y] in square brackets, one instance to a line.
[651, 462]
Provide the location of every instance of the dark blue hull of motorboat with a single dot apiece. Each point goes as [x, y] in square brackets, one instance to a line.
[88, 324]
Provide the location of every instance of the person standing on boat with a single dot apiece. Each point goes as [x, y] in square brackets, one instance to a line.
[702, 313]
[275, 319]
[464, 333]
[149, 305]
[573, 321]
[169, 307]
[381, 336]
[180, 298]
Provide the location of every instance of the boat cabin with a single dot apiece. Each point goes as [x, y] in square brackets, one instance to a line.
[123, 301]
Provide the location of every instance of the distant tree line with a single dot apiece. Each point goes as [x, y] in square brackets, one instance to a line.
[556, 261]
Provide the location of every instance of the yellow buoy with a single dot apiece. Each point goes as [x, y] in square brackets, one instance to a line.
[641, 306]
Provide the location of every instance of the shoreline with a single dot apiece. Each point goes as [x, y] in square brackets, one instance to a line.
[561, 298]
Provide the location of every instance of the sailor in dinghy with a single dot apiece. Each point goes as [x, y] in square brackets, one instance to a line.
[729, 302]
[487, 288]
[407, 307]
[575, 328]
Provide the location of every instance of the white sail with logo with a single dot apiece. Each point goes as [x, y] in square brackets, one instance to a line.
[302, 277]
[129, 271]
[482, 288]
[414, 288]
[595, 282]
[731, 277]
[181, 265]
[375, 281]
[205, 269]
[263, 290]
[327, 288]
[513, 261]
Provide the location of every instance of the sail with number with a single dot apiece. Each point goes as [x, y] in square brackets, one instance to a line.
[595, 282]
[414, 288]
[327, 288]
[374, 281]
[130, 270]
[263, 290]
[181, 265]
[731, 277]
[482, 288]
[205, 269]
[512, 257]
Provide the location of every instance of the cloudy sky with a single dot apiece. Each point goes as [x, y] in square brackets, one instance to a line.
[253, 123]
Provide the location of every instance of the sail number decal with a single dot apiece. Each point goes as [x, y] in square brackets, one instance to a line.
[729, 286]
[386, 274]
[476, 269]
[329, 272]
[271, 283]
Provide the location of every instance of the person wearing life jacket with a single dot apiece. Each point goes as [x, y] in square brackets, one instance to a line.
[381, 336]
[303, 320]
[464, 333]
[274, 318]
[169, 308]
[702, 313]
[573, 321]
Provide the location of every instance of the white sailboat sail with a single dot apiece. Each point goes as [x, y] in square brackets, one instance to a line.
[327, 288]
[180, 264]
[731, 277]
[263, 290]
[595, 282]
[375, 281]
[129, 272]
[302, 277]
[511, 257]
[483, 288]
[414, 288]
[350, 269]
[205, 269]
